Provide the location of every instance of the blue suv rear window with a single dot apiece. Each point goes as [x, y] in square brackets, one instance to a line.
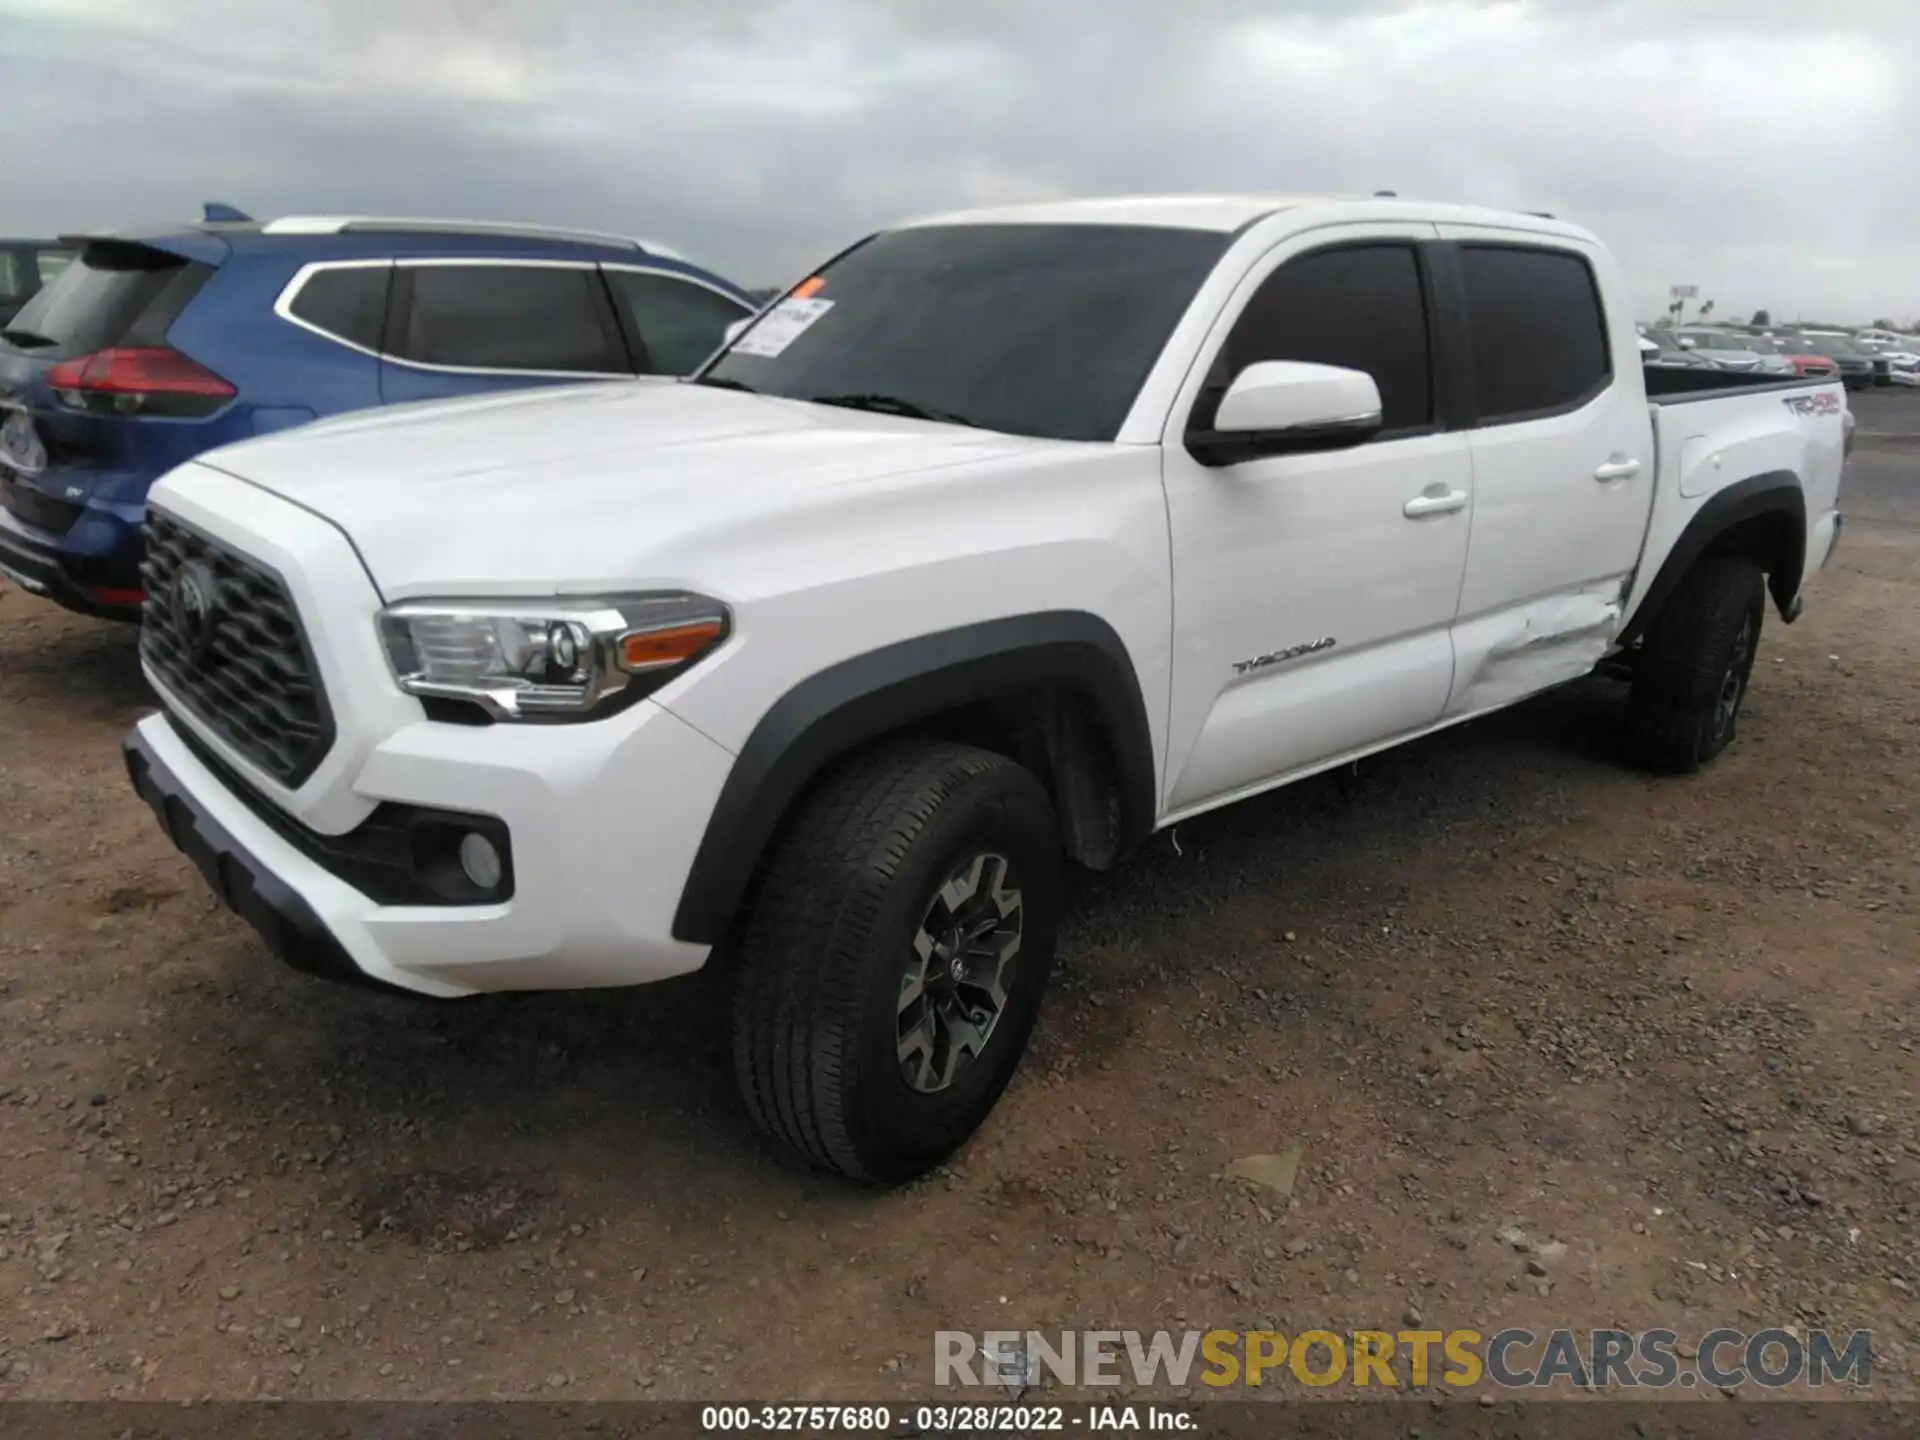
[115, 293]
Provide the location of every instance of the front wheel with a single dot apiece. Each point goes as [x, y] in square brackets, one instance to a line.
[892, 964]
[1695, 664]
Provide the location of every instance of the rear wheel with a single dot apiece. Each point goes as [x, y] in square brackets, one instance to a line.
[891, 968]
[1695, 663]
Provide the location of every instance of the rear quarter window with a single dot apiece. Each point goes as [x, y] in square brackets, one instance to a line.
[1539, 332]
[347, 302]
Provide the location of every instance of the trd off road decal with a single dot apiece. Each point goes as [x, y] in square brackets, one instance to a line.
[1825, 403]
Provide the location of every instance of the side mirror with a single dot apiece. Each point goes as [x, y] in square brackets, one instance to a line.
[733, 330]
[1277, 407]
[1686, 344]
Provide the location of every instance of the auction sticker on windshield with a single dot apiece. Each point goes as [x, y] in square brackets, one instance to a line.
[780, 327]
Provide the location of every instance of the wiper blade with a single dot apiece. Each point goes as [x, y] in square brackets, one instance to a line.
[29, 339]
[724, 382]
[894, 405]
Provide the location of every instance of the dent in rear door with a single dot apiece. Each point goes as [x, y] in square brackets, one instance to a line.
[1563, 463]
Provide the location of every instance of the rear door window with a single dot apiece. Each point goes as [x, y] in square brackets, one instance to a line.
[506, 317]
[1539, 334]
[676, 322]
[348, 303]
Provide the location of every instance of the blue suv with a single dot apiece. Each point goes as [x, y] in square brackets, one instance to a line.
[152, 347]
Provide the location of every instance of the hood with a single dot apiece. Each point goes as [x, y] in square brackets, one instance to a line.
[574, 487]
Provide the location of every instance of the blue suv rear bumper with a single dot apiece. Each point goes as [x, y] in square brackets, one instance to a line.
[93, 566]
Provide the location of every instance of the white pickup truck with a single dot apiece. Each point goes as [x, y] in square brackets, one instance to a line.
[1004, 540]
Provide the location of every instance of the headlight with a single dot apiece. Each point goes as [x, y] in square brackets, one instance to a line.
[548, 659]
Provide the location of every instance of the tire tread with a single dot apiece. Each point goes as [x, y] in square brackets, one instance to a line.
[1683, 661]
[794, 1004]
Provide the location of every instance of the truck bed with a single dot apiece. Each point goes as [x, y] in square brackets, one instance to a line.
[1680, 387]
[1720, 440]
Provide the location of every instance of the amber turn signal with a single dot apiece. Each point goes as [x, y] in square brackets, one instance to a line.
[643, 650]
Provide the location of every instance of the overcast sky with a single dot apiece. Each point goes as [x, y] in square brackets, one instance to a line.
[1766, 150]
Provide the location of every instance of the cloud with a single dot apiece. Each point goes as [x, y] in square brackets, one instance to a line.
[1759, 149]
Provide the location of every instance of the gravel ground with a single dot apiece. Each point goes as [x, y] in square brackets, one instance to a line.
[1495, 979]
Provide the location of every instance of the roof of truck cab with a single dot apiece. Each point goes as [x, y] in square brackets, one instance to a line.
[1228, 213]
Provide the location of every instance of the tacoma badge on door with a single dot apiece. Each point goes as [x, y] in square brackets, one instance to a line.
[1292, 652]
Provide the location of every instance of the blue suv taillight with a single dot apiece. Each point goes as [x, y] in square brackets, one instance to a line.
[152, 380]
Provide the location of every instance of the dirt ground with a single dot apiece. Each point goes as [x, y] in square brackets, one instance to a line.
[1498, 978]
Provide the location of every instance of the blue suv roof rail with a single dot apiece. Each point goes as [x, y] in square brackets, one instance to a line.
[372, 224]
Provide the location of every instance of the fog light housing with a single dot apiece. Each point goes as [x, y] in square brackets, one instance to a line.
[462, 859]
[480, 861]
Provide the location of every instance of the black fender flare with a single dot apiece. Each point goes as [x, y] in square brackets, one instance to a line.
[1776, 492]
[883, 690]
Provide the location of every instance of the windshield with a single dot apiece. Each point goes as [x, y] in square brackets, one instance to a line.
[1044, 330]
[1832, 345]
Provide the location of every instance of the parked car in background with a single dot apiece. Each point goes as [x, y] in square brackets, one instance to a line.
[1726, 351]
[155, 346]
[1661, 349]
[26, 267]
[1860, 367]
[1902, 357]
[1808, 360]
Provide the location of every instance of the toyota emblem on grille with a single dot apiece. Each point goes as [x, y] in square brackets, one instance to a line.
[196, 614]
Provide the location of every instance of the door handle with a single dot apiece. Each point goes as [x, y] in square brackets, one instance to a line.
[1434, 501]
[1618, 467]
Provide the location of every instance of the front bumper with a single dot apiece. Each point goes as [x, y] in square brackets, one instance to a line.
[605, 818]
[250, 889]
